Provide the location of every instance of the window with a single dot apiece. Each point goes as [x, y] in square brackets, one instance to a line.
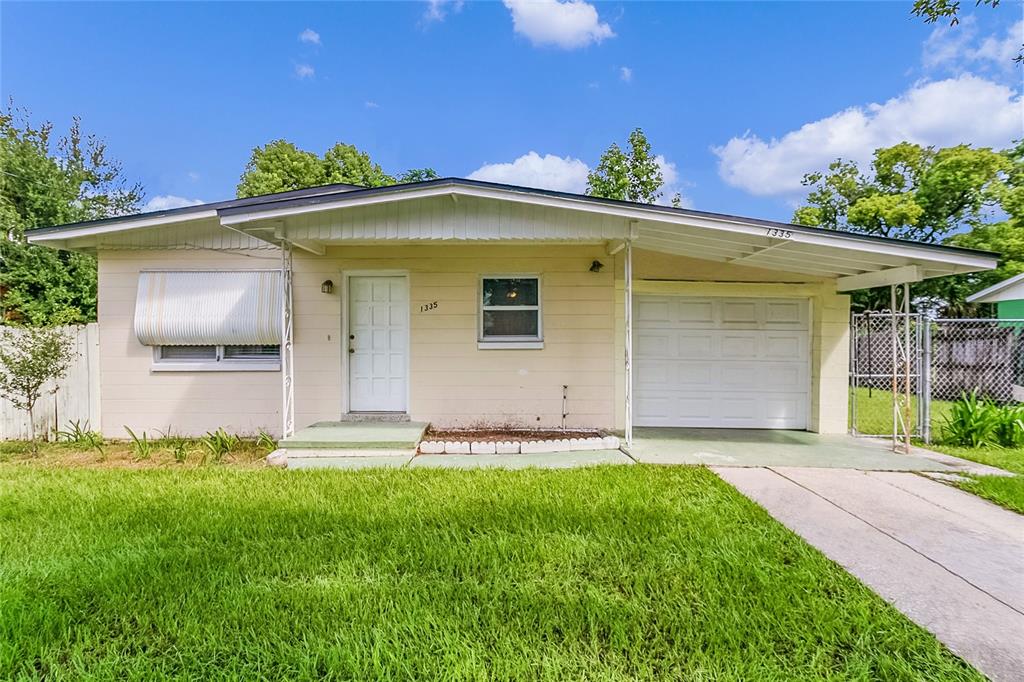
[510, 312]
[198, 358]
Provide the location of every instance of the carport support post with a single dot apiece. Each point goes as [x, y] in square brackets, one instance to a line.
[287, 358]
[900, 361]
[629, 344]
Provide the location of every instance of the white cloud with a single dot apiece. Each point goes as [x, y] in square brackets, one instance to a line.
[309, 36]
[542, 172]
[193, 176]
[967, 109]
[566, 175]
[165, 202]
[437, 10]
[303, 71]
[370, 104]
[568, 25]
[626, 73]
[958, 48]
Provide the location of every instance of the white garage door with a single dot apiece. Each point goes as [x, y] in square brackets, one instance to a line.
[721, 362]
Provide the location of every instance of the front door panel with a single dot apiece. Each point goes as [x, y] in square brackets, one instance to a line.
[378, 343]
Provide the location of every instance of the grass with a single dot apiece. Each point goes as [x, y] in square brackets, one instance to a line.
[222, 572]
[874, 411]
[1006, 491]
[187, 452]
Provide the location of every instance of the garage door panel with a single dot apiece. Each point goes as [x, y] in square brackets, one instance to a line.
[695, 345]
[722, 362]
[740, 312]
[739, 345]
[653, 311]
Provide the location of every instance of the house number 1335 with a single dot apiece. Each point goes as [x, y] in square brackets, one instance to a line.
[428, 306]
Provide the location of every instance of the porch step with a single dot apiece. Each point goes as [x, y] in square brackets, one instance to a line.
[388, 417]
[356, 436]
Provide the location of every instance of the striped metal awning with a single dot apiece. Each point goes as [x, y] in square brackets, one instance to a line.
[204, 308]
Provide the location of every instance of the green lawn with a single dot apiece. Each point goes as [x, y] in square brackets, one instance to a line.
[217, 572]
[871, 412]
[1007, 491]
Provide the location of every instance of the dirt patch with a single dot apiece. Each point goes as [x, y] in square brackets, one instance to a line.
[497, 435]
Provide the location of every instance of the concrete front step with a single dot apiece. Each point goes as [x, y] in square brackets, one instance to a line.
[385, 417]
[356, 436]
[366, 462]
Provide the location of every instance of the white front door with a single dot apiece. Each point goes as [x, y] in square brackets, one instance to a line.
[721, 362]
[378, 342]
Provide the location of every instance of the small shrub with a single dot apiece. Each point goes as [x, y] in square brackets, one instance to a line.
[80, 435]
[142, 447]
[975, 423]
[180, 450]
[972, 422]
[219, 443]
[1010, 426]
[266, 442]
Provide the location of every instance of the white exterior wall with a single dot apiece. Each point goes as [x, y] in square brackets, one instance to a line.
[184, 403]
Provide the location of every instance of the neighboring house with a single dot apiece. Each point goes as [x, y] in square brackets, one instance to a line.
[1008, 296]
[469, 303]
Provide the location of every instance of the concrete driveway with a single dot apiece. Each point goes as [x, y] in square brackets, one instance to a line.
[950, 561]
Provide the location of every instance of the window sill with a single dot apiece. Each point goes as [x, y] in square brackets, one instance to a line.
[509, 345]
[216, 367]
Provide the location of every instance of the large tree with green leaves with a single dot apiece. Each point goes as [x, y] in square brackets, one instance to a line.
[954, 195]
[280, 166]
[631, 174]
[49, 180]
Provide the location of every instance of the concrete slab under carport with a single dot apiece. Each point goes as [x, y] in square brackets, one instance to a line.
[762, 447]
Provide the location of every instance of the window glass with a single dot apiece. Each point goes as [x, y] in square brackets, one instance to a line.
[188, 352]
[510, 292]
[252, 352]
[510, 323]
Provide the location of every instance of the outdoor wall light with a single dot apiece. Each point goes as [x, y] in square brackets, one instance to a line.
[327, 287]
[596, 266]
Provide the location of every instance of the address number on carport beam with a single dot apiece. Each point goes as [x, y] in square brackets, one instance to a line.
[776, 233]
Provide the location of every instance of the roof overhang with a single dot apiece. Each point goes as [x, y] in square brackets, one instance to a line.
[318, 219]
[1011, 289]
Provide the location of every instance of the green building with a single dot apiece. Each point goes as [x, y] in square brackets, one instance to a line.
[1008, 296]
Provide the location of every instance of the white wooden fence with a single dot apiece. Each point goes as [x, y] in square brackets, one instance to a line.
[77, 397]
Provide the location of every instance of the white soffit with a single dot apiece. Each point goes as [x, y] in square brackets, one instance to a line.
[204, 308]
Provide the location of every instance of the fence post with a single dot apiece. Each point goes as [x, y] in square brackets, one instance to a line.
[925, 389]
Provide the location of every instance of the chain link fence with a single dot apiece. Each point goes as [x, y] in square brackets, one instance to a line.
[947, 357]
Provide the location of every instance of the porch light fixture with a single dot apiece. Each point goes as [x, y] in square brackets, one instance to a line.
[596, 266]
[327, 287]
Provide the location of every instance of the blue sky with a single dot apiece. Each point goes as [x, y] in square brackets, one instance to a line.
[740, 99]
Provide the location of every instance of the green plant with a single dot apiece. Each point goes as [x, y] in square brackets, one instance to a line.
[1010, 426]
[265, 441]
[219, 443]
[179, 448]
[141, 446]
[81, 436]
[972, 422]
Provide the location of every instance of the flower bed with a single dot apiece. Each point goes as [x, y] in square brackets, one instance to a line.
[513, 441]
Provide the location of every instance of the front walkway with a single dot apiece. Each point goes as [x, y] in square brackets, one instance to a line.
[950, 561]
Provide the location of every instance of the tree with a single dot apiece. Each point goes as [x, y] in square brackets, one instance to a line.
[933, 11]
[46, 181]
[280, 166]
[418, 175]
[29, 358]
[927, 195]
[633, 175]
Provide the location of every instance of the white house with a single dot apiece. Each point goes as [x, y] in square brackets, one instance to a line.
[460, 302]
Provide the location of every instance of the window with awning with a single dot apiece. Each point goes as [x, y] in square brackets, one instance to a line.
[206, 308]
